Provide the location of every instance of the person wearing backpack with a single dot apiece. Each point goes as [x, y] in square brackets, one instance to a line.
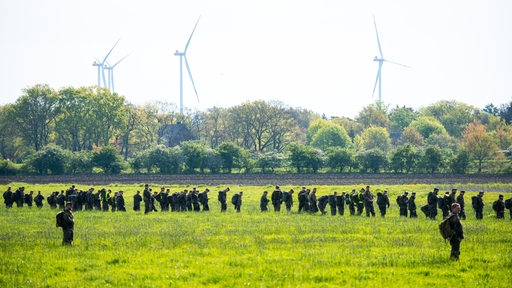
[499, 207]
[478, 205]
[236, 200]
[458, 232]
[66, 221]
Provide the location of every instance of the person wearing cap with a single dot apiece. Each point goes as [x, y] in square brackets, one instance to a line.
[237, 201]
[411, 204]
[402, 201]
[499, 207]
[68, 224]
[264, 202]
[458, 234]
[432, 203]
[478, 205]
[277, 199]
[460, 200]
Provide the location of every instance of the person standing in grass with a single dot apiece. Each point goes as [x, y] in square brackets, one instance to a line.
[402, 201]
[67, 224]
[383, 202]
[478, 205]
[368, 202]
[8, 197]
[288, 200]
[264, 202]
[237, 201]
[412, 206]
[460, 200]
[458, 234]
[277, 199]
[499, 207]
[223, 199]
[136, 201]
[146, 194]
[39, 200]
[432, 203]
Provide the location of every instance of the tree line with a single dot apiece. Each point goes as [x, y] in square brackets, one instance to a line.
[91, 130]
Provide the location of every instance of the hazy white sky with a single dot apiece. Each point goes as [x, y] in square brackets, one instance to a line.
[312, 54]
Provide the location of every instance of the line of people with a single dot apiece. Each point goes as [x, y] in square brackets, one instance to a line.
[358, 202]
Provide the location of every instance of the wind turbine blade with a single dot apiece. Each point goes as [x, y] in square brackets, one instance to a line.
[190, 38]
[376, 80]
[105, 59]
[119, 61]
[398, 64]
[378, 40]
[190, 75]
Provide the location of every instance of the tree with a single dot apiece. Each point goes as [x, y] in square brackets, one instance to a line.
[49, 160]
[375, 114]
[432, 159]
[270, 160]
[211, 160]
[376, 138]
[453, 115]
[372, 160]
[168, 160]
[412, 136]
[478, 143]
[80, 162]
[459, 164]
[427, 126]
[34, 114]
[193, 152]
[404, 158]
[331, 135]
[231, 155]
[304, 157]
[107, 159]
[400, 118]
[339, 158]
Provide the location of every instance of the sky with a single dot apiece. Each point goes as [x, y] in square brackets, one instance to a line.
[316, 54]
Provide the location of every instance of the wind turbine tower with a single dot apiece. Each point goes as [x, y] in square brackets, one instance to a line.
[110, 74]
[101, 66]
[183, 56]
[381, 60]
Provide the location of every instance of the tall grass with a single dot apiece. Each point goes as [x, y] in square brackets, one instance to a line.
[253, 249]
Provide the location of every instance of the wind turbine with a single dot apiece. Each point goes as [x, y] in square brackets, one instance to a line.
[110, 79]
[381, 61]
[101, 66]
[183, 56]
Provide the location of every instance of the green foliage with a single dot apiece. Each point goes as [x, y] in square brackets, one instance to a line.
[331, 135]
[376, 138]
[339, 158]
[453, 115]
[8, 168]
[193, 152]
[231, 155]
[167, 160]
[270, 160]
[50, 160]
[305, 157]
[432, 159]
[108, 159]
[460, 163]
[404, 158]
[375, 114]
[372, 160]
[427, 126]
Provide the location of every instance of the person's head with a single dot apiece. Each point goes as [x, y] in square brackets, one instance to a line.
[462, 192]
[455, 208]
[69, 206]
[385, 192]
[265, 192]
[500, 196]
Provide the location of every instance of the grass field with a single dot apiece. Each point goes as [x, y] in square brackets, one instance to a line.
[252, 249]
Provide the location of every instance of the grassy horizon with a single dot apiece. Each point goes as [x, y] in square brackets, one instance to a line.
[251, 249]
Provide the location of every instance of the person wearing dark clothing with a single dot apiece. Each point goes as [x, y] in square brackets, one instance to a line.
[478, 205]
[332, 203]
[288, 200]
[303, 197]
[402, 201]
[432, 203]
[340, 203]
[277, 199]
[236, 200]
[120, 202]
[360, 202]
[194, 198]
[460, 200]
[264, 202]
[19, 197]
[68, 224]
[458, 234]
[146, 195]
[445, 204]
[223, 199]
[8, 198]
[203, 199]
[499, 207]
[313, 208]
[368, 199]
[383, 202]
[29, 199]
[136, 201]
[351, 202]
[39, 200]
[411, 204]
[322, 203]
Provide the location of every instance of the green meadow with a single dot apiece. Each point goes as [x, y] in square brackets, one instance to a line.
[253, 249]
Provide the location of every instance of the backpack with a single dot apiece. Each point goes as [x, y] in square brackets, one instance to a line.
[508, 203]
[495, 205]
[474, 202]
[398, 199]
[60, 219]
[234, 199]
[445, 229]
